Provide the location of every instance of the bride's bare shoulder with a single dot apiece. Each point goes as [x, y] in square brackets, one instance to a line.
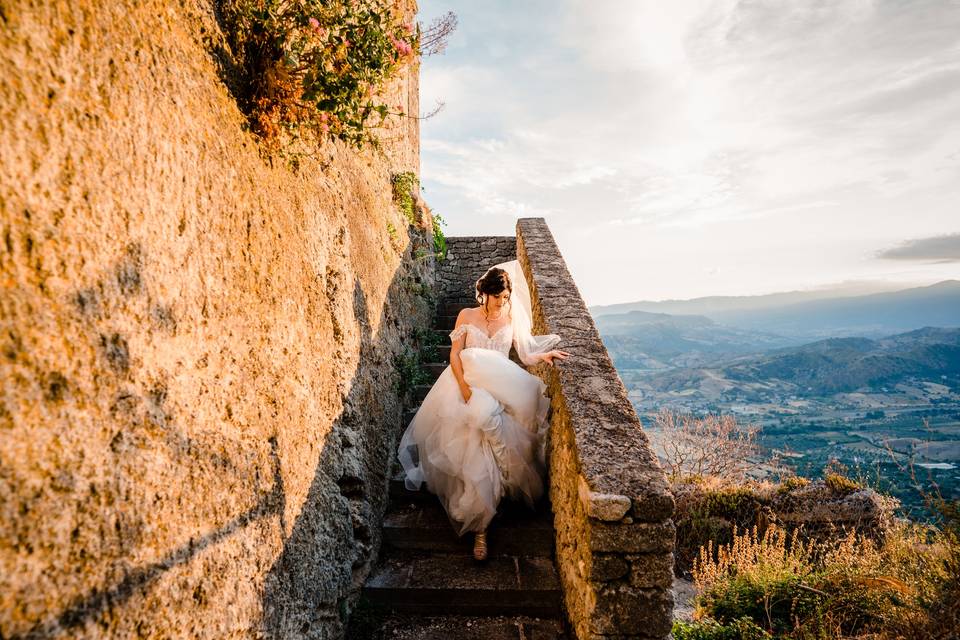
[468, 315]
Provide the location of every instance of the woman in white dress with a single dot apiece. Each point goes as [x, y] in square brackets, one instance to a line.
[480, 432]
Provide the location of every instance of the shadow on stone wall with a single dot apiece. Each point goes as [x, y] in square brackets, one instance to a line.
[92, 605]
[315, 582]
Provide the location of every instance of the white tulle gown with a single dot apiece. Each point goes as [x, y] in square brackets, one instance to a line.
[473, 453]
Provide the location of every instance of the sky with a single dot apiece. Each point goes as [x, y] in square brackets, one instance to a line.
[692, 148]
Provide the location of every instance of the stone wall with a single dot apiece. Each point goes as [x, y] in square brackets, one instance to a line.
[468, 257]
[197, 403]
[611, 501]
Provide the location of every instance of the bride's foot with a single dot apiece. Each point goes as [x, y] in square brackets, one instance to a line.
[480, 546]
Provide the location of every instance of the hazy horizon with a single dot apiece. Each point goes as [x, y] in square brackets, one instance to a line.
[848, 288]
[703, 148]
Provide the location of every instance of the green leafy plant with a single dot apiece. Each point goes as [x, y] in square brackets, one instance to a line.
[405, 185]
[429, 342]
[837, 479]
[740, 629]
[409, 367]
[792, 483]
[439, 240]
[318, 67]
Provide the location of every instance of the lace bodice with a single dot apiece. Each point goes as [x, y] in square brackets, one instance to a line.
[477, 338]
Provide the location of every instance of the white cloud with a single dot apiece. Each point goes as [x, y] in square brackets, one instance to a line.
[749, 137]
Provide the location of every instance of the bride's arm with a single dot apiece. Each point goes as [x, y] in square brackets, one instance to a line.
[455, 364]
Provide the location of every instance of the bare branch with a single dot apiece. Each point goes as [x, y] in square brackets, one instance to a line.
[711, 446]
[433, 39]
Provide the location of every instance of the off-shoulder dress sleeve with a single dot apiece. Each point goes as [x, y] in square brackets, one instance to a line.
[456, 333]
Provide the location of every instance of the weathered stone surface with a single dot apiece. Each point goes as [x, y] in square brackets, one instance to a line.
[468, 257]
[609, 567]
[609, 494]
[603, 506]
[651, 570]
[815, 506]
[624, 609]
[638, 537]
[197, 401]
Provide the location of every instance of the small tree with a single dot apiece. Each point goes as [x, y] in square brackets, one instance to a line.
[716, 445]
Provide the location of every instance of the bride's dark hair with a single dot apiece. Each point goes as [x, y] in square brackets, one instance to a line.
[494, 282]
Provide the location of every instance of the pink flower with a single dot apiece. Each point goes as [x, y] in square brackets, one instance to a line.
[314, 24]
[408, 27]
[402, 46]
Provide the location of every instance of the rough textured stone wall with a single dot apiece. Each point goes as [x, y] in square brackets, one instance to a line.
[612, 505]
[468, 257]
[197, 404]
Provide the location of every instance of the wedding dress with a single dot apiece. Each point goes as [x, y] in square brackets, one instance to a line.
[473, 453]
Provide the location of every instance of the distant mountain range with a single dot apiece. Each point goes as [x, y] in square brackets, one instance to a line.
[642, 340]
[787, 317]
[833, 366]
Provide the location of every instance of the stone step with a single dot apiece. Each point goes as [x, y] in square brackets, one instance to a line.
[443, 352]
[444, 323]
[434, 369]
[420, 392]
[424, 526]
[458, 584]
[399, 494]
[408, 627]
[453, 307]
[442, 336]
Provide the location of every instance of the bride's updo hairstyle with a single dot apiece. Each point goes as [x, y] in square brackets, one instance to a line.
[493, 283]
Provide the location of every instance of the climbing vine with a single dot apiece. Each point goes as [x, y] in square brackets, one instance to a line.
[317, 68]
[406, 189]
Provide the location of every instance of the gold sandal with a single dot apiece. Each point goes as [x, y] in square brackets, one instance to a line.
[480, 546]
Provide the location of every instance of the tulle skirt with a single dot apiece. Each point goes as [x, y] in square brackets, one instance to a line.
[473, 453]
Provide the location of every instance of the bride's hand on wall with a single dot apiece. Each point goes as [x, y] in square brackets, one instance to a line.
[555, 354]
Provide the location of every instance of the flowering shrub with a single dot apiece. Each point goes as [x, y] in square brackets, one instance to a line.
[318, 66]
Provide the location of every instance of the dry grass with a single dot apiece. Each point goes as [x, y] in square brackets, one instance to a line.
[853, 587]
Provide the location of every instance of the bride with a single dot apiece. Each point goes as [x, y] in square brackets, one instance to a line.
[480, 432]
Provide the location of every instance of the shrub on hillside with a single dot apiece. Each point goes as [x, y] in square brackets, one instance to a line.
[851, 587]
[715, 446]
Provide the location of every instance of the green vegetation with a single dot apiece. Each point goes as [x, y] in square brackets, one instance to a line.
[409, 367]
[429, 342]
[439, 240]
[405, 186]
[316, 68]
[791, 483]
[740, 629]
[847, 588]
[708, 511]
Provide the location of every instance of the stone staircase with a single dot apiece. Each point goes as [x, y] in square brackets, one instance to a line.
[428, 586]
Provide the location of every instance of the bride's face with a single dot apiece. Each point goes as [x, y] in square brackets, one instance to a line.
[497, 302]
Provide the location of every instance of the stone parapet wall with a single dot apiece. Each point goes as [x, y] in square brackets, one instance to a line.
[611, 501]
[468, 257]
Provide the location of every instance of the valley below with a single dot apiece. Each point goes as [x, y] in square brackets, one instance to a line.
[886, 407]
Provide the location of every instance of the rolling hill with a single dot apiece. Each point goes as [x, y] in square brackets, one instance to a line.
[812, 315]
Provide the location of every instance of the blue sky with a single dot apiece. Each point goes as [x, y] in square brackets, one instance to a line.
[682, 149]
